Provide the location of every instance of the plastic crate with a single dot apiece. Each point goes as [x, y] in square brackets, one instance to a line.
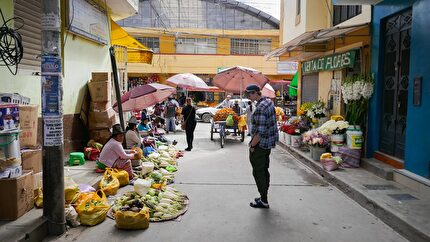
[13, 98]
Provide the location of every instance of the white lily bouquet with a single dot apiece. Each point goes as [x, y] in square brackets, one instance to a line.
[333, 127]
[356, 91]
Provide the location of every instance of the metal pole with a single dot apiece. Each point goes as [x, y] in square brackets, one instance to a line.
[52, 116]
[116, 83]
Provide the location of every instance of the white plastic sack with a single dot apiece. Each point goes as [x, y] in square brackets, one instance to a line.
[141, 186]
[154, 155]
[147, 167]
[72, 216]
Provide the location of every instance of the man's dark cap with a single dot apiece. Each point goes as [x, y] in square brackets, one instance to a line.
[253, 88]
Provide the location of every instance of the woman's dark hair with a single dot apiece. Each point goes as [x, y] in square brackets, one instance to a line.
[130, 127]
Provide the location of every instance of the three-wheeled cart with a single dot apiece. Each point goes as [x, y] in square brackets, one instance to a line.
[224, 130]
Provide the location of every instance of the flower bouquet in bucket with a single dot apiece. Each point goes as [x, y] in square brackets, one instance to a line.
[317, 142]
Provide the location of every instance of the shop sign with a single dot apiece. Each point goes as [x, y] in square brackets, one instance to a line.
[328, 63]
[287, 67]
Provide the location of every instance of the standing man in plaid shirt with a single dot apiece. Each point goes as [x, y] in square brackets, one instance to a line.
[264, 137]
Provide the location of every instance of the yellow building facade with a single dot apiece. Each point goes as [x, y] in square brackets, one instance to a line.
[209, 37]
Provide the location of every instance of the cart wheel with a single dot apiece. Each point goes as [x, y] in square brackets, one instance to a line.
[242, 136]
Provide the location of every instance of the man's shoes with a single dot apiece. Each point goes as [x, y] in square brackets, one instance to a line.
[174, 142]
[188, 149]
[257, 203]
[249, 134]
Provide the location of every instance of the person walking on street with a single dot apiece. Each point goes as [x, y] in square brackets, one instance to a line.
[226, 103]
[249, 111]
[189, 113]
[170, 114]
[264, 135]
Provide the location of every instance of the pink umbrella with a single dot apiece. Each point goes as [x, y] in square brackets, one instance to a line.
[144, 96]
[237, 78]
[187, 80]
[268, 91]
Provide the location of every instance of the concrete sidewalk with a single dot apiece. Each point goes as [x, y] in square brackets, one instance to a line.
[32, 225]
[405, 210]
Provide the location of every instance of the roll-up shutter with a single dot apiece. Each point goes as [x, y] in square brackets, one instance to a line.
[30, 12]
[310, 88]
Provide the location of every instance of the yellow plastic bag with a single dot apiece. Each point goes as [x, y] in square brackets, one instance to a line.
[92, 208]
[38, 199]
[109, 183]
[132, 220]
[122, 176]
[71, 190]
[241, 124]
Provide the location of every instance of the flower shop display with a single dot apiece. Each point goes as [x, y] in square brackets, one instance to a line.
[354, 137]
[356, 91]
[313, 111]
[317, 141]
[336, 130]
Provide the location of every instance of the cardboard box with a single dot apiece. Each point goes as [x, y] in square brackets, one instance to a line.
[100, 76]
[101, 120]
[100, 106]
[100, 135]
[32, 160]
[9, 117]
[100, 91]
[20, 196]
[37, 180]
[28, 123]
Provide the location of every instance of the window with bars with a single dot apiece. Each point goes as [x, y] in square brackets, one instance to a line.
[151, 42]
[196, 45]
[250, 46]
[342, 13]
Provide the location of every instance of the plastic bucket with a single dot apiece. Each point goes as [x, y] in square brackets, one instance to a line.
[9, 144]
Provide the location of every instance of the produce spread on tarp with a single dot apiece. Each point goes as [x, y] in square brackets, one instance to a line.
[151, 198]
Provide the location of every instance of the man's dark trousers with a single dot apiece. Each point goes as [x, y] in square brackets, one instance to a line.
[260, 170]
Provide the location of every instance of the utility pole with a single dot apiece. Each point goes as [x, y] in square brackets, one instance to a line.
[52, 116]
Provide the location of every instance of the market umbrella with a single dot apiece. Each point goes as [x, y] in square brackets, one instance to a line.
[292, 91]
[268, 91]
[236, 79]
[144, 96]
[187, 80]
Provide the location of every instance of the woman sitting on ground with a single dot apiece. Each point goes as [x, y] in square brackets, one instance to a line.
[132, 137]
[113, 154]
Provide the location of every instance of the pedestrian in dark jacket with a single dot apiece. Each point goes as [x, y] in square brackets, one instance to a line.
[264, 135]
[189, 113]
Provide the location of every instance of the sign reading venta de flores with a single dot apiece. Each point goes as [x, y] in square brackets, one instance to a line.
[331, 62]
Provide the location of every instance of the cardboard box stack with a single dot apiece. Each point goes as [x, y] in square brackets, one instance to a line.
[18, 129]
[101, 116]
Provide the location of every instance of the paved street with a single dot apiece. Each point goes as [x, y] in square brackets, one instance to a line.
[220, 186]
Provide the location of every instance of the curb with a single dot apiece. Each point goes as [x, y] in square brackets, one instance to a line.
[389, 218]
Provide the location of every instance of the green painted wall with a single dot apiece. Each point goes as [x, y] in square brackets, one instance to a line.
[81, 57]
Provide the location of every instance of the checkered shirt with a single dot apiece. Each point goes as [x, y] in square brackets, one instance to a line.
[264, 123]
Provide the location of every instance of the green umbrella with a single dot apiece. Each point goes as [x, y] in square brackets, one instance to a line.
[292, 91]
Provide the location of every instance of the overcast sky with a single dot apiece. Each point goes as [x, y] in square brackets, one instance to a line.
[271, 7]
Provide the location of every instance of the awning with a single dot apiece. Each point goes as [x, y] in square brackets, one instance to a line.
[136, 52]
[316, 37]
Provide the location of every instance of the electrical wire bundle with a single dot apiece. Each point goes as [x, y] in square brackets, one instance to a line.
[11, 49]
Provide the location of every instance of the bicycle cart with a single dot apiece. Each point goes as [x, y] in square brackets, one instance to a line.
[224, 130]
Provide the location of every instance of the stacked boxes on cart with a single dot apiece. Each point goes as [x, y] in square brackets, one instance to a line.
[18, 166]
[101, 115]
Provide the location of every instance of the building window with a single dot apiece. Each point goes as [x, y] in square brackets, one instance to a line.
[342, 13]
[30, 12]
[151, 42]
[250, 46]
[196, 45]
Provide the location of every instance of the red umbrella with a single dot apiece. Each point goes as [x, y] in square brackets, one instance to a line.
[237, 78]
[144, 96]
